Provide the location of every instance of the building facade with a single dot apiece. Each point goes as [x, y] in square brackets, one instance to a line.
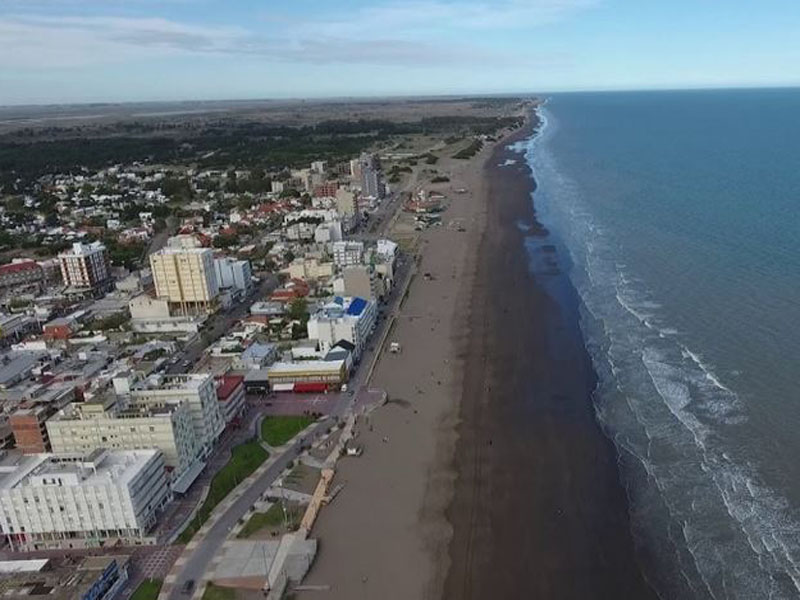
[348, 319]
[348, 253]
[83, 426]
[198, 391]
[21, 275]
[234, 274]
[29, 425]
[74, 500]
[186, 278]
[230, 395]
[85, 268]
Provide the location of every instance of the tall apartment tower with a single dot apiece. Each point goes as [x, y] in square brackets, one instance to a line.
[372, 185]
[184, 275]
[85, 268]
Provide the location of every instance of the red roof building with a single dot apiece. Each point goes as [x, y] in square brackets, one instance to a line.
[230, 395]
[293, 289]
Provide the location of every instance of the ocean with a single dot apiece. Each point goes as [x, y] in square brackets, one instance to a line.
[680, 215]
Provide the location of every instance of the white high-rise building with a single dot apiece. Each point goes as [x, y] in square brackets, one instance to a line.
[198, 390]
[85, 268]
[348, 253]
[372, 185]
[234, 274]
[80, 500]
[185, 277]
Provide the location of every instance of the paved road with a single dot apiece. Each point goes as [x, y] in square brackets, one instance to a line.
[220, 323]
[201, 557]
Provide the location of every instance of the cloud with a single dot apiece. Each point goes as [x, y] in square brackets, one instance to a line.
[417, 17]
[393, 33]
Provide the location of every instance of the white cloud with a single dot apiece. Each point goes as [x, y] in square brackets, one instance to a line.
[392, 33]
[417, 17]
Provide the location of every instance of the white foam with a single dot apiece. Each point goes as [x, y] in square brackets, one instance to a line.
[685, 416]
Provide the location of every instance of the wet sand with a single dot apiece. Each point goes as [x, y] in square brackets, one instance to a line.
[538, 509]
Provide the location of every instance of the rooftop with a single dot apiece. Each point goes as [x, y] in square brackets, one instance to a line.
[99, 467]
[17, 267]
[227, 385]
[67, 581]
[305, 365]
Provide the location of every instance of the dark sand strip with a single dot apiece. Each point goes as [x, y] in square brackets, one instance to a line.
[538, 509]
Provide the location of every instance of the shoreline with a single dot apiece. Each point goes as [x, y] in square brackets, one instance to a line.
[538, 509]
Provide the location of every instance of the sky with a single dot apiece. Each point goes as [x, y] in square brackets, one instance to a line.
[63, 51]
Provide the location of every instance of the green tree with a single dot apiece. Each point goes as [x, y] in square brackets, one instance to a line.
[298, 309]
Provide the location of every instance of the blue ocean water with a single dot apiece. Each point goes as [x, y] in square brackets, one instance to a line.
[680, 213]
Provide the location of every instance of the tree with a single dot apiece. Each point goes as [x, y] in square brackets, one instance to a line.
[298, 309]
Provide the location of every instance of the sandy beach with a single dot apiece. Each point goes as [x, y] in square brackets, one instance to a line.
[486, 475]
[385, 536]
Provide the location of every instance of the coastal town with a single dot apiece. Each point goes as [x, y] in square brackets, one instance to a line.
[189, 356]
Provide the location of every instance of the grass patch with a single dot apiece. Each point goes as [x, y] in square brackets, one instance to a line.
[273, 519]
[216, 592]
[147, 590]
[470, 150]
[276, 431]
[440, 179]
[245, 458]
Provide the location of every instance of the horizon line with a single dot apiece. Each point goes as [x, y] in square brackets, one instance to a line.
[423, 96]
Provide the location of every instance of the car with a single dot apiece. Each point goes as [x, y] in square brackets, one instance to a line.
[188, 586]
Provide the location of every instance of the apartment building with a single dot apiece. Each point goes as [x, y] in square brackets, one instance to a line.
[81, 500]
[186, 278]
[85, 269]
[197, 390]
[372, 185]
[348, 319]
[235, 275]
[230, 395]
[359, 280]
[348, 253]
[117, 424]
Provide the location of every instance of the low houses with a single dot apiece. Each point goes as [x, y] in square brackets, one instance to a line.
[61, 328]
[292, 289]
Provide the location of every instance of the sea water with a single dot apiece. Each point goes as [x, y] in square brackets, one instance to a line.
[679, 213]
